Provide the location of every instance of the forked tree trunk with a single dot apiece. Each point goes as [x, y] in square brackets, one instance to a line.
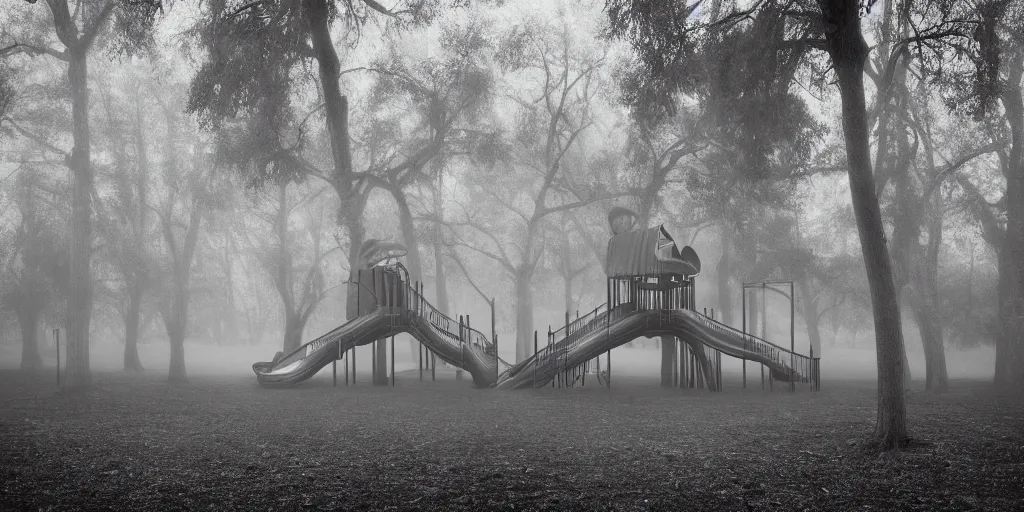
[848, 51]
[28, 321]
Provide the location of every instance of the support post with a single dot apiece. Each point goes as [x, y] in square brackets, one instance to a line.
[494, 341]
[56, 343]
[392, 361]
[746, 340]
[535, 358]
[792, 337]
[609, 365]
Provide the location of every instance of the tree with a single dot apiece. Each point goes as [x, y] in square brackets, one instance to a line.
[31, 264]
[253, 49]
[835, 27]
[551, 121]
[301, 286]
[123, 218]
[77, 31]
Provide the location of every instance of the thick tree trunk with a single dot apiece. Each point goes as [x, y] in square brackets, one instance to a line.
[79, 298]
[176, 328]
[405, 220]
[848, 51]
[28, 321]
[936, 378]
[412, 258]
[524, 313]
[1002, 362]
[131, 328]
[1012, 308]
[293, 327]
[929, 318]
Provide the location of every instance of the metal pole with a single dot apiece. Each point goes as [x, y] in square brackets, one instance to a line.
[56, 342]
[392, 361]
[535, 358]
[792, 336]
[494, 341]
[433, 366]
[746, 342]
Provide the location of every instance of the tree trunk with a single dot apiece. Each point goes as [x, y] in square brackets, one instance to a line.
[722, 273]
[524, 313]
[1012, 308]
[405, 220]
[1002, 363]
[131, 327]
[811, 317]
[138, 270]
[29, 323]
[293, 327]
[412, 257]
[932, 339]
[176, 328]
[440, 278]
[936, 378]
[848, 51]
[335, 104]
[79, 298]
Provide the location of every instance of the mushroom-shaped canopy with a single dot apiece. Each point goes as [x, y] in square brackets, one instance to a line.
[621, 219]
[690, 256]
[374, 251]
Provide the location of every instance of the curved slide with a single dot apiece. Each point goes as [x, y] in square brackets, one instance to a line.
[475, 357]
[600, 335]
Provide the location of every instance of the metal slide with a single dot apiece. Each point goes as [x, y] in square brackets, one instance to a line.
[468, 350]
[601, 334]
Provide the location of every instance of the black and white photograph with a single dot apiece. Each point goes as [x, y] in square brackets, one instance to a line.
[512, 255]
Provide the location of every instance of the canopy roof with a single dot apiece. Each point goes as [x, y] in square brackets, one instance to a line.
[649, 252]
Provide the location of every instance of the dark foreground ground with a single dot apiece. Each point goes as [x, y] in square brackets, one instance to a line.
[137, 443]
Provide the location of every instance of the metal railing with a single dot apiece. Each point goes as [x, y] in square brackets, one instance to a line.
[798, 367]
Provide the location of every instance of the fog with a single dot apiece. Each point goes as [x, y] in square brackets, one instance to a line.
[796, 209]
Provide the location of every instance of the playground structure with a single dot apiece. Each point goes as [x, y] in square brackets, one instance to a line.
[650, 290]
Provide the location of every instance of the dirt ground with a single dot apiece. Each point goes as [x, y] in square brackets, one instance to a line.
[134, 443]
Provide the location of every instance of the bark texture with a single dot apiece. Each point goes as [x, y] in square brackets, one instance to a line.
[848, 51]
